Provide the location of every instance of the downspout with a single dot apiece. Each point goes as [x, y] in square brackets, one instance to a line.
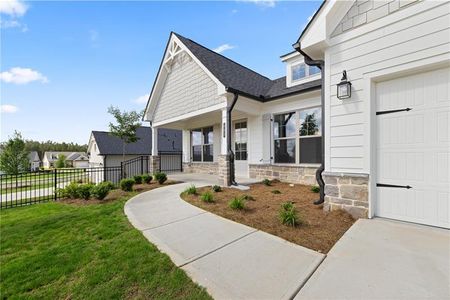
[320, 64]
[230, 149]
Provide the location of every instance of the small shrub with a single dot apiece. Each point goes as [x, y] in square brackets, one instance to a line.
[84, 190]
[288, 214]
[207, 197]
[70, 191]
[160, 177]
[109, 184]
[315, 189]
[127, 184]
[267, 182]
[216, 188]
[248, 197]
[237, 203]
[276, 192]
[191, 190]
[100, 191]
[147, 178]
[137, 179]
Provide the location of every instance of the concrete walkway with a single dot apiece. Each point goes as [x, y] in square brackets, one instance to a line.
[384, 259]
[231, 260]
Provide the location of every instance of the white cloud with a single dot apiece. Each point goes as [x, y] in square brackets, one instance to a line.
[19, 75]
[223, 48]
[13, 24]
[142, 99]
[13, 7]
[262, 3]
[8, 108]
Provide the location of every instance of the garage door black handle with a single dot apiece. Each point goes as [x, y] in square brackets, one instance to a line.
[394, 186]
[383, 112]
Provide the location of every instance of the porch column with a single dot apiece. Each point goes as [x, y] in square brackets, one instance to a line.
[223, 158]
[154, 158]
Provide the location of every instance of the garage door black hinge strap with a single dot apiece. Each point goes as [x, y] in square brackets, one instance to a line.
[394, 186]
[383, 112]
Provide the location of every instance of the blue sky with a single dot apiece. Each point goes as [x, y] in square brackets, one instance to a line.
[63, 63]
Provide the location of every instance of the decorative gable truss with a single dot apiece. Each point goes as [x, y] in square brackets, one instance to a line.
[183, 85]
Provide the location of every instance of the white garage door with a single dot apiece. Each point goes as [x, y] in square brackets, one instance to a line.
[413, 148]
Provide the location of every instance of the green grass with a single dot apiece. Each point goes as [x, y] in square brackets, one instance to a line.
[61, 251]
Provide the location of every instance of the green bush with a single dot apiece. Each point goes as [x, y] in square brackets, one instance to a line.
[147, 178]
[267, 182]
[216, 188]
[237, 203]
[70, 191]
[207, 197]
[84, 190]
[191, 190]
[288, 214]
[101, 190]
[109, 184]
[248, 197]
[315, 189]
[137, 179]
[160, 177]
[275, 192]
[127, 184]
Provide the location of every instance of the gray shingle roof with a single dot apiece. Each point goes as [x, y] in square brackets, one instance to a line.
[168, 140]
[241, 79]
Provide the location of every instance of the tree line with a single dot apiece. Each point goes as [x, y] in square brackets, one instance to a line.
[41, 147]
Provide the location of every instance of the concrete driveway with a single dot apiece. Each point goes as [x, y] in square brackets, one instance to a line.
[384, 259]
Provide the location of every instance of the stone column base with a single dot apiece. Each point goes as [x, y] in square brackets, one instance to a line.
[155, 164]
[349, 192]
[224, 170]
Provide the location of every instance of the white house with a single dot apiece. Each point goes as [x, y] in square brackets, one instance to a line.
[72, 159]
[35, 161]
[396, 55]
[107, 150]
[394, 128]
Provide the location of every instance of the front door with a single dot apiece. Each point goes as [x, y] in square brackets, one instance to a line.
[240, 136]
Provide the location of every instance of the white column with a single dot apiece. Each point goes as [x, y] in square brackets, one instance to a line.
[223, 133]
[154, 141]
[186, 146]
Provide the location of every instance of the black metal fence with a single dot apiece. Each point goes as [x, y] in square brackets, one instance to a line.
[170, 161]
[41, 186]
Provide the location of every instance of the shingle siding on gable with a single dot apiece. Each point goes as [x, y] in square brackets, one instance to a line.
[187, 88]
[366, 11]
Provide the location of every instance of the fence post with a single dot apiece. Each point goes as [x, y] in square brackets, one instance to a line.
[121, 170]
[142, 165]
[56, 185]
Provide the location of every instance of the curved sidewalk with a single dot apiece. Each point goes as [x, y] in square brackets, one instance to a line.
[231, 260]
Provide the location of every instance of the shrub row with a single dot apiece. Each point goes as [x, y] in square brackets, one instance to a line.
[127, 183]
[86, 190]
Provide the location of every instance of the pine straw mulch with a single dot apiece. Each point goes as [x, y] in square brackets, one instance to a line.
[118, 193]
[319, 229]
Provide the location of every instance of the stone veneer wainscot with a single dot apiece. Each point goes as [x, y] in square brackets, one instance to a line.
[292, 174]
[210, 168]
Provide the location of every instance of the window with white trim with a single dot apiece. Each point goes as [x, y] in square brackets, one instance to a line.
[240, 140]
[302, 70]
[298, 136]
[202, 144]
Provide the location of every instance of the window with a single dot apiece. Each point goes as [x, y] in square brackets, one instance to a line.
[240, 140]
[302, 70]
[298, 136]
[202, 144]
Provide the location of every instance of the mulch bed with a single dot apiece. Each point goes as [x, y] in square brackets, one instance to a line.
[319, 230]
[117, 193]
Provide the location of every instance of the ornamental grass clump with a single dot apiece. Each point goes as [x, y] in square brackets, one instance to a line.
[191, 190]
[276, 192]
[237, 203]
[267, 182]
[288, 214]
[315, 189]
[216, 188]
[207, 197]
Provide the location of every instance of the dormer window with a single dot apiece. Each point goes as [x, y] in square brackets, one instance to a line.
[302, 70]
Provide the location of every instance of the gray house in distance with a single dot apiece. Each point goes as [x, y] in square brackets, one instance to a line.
[106, 150]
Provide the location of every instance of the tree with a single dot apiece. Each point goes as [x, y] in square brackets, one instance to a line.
[13, 156]
[41, 147]
[126, 127]
[61, 162]
[309, 126]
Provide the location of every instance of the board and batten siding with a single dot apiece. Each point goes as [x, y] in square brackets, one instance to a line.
[416, 34]
[187, 88]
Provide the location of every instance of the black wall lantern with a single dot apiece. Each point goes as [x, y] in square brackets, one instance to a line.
[344, 88]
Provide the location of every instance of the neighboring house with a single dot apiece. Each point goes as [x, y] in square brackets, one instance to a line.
[35, 161]
[391, 133]
[73, 159]
[387, 146]
[107, 150]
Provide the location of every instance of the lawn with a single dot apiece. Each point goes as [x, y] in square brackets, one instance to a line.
[59, 250]
[317, 229]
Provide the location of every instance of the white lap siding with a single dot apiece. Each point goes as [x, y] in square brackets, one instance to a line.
[415, 35]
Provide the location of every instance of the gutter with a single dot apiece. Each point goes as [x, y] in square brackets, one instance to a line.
[231, 178]
[321, 65]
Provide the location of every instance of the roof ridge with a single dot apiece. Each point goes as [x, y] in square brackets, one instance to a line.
[239, 64]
